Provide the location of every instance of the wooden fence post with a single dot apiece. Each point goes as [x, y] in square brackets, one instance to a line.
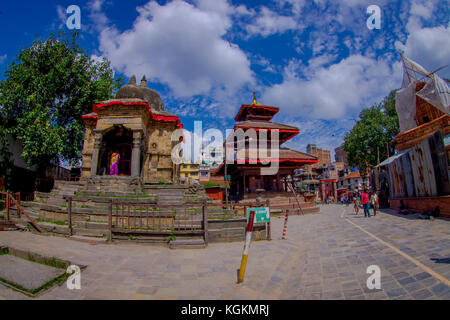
[69, 212]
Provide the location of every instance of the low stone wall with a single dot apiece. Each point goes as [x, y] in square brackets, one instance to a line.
[424, 204]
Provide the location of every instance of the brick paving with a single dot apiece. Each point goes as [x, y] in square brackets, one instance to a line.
[325, 256]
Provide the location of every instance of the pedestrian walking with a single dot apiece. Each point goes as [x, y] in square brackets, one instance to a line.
[356, 201]
[366, 202]
[374, 203]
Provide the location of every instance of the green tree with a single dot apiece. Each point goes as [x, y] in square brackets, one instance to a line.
[369, 139]
[47, 88]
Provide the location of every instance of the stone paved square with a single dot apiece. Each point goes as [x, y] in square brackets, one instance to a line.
[29, 275]
[325, 257]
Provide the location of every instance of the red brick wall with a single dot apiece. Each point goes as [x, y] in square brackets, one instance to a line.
[323, 156]
[215, 193]
[425, 204]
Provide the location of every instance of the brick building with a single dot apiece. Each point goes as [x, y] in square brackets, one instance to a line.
[323, 156]
[340, 155]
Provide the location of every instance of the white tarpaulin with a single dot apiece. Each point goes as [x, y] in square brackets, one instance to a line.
[436, 93]
[412, 71]
[406, 107]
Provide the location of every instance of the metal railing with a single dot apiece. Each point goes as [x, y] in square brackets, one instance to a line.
[12, 201]
[151, 219]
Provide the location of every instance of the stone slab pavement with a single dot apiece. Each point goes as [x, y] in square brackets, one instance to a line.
[325, 256]
[29, 275]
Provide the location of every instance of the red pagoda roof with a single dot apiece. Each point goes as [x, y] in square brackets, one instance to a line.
[247, 109]
[163, 116]
[289, 157]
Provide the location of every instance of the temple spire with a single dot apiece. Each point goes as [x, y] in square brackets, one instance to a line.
[255, 103]
[144, 81]
[132, 80]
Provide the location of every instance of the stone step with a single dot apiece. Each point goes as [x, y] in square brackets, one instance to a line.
[56, 201]
[171, 197]
[187, 244]
[171, 203]
[230, 224]
[147, 239]
[53, 228]
[108, 193]
[297, 211]
[226, 235]
[93, 233]
[90, 225]
[92, 240]
[7, 226]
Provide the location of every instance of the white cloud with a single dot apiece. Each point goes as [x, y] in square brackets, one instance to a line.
[62, 16]
[430, 47]
[422, 9]
[268, 22]
[325, 134]
[3, 58]
[98, 18]
[332, 92]
[190, 56]
[322, 60]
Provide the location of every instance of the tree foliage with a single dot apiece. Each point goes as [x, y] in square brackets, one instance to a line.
[48, 87]
[368, 141]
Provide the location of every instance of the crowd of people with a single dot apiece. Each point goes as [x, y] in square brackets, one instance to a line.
[365, 200]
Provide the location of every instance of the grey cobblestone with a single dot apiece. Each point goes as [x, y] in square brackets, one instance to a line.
[325, 256]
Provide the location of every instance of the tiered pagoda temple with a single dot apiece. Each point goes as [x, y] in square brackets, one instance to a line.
[245, 175]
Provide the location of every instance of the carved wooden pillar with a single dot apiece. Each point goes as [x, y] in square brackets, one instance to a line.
[95, 153]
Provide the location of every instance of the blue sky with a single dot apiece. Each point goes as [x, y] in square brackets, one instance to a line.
[316, 60]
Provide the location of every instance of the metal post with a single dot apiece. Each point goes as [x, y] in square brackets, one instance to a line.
[226, 185]
[268, 226]
[7, 206]
[110, 221]
[69, 212]
[205, 222]
[285, 225]
[248, 239]
[18, 204]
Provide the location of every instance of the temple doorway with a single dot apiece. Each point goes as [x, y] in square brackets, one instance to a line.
[118, 140]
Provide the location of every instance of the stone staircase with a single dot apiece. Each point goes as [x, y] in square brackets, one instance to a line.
[90, 212]
[280, 204]
[90, 209]
[7, 226]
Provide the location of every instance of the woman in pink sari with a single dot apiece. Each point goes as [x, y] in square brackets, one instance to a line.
[114, 168]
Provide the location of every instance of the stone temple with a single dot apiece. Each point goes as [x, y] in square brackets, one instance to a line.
[131, 133]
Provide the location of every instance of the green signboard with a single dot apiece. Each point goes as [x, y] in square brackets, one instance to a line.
[262, 215]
